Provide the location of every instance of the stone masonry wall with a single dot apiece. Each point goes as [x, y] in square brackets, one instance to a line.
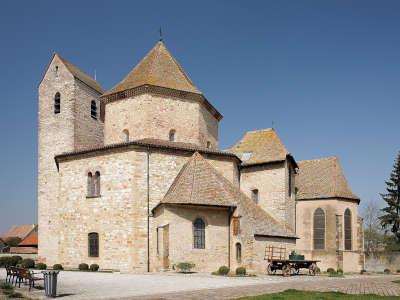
[152, 116]
[332, 208]
[88, 132]
[55, 135]
[180, 220]
[270, 180]
[120, 214]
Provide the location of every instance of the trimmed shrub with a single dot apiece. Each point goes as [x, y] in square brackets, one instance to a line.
[386, 271]
[83, 267]
[15, 260]
[339, 271]
[317, 270]
[58, 267]
[185, 267]
[27, 263]
[330, 270]
[363, 271]
[223, 270]
[5, 261]
[41, 266]
[398, 271]
[240, 271]
[94, 267]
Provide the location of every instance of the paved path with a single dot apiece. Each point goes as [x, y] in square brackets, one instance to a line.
[87, 285]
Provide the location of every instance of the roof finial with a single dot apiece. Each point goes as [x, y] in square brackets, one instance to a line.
[95, 74]
[273, 125]
[161, 38]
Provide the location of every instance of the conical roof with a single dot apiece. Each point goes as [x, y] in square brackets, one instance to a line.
[322, 178]
[157, 68]
[199, 183]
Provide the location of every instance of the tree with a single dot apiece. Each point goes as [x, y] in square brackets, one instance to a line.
[13, 241]
[390, 219]
[374, 238]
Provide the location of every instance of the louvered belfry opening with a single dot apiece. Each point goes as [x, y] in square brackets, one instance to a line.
[319, 229]
[347, 229]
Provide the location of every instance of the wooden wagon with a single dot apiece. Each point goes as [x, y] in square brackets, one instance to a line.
[278, 260]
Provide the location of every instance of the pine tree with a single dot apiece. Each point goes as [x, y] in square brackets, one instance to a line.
[391, 213]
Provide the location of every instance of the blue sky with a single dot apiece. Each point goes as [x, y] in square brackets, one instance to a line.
[325, 72]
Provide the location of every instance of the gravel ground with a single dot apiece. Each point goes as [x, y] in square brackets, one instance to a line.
[88, 285]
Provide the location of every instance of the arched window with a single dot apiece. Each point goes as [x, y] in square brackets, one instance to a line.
[238, 252]
[57, 103]
[208, 144]
[93, 243]
[319, 229]
[96, 181]
[172, 135]
[254, 195]
[93, 110]
[90, 185]
[125, 132]
[199, 236]
[347, 229]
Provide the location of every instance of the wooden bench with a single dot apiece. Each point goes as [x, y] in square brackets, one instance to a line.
[17, 275]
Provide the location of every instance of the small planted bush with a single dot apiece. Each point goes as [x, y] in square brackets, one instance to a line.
[398, 271]
[185, 267]
[223, 270]
[241, 271]
[27, 263]
[339, 271]
[330, 270]
[14, 260]
[58, 267]
[363, 271]
[386, 271]
[83, 267]
[41, 266]
[4, 261]
[94, 267]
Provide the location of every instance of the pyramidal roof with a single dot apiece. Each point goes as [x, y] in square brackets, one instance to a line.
[322, 178]
[82, 76]
[260, 146]
[157, 68]
[199, 183]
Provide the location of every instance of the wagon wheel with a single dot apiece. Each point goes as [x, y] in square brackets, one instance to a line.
[312, 269]
[286, 270]
[270, 269]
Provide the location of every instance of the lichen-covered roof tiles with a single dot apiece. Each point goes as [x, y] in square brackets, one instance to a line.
[260, 146]
[199, 183]
[21, 231]
[322, 178]
[157, 68]
[82, 76]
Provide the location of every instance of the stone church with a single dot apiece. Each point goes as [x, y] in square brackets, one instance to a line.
[133, 179]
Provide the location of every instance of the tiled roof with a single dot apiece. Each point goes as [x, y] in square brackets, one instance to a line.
[322, 178]
[82, 76]
[152, 143]
[20, 231]
[30, 240]
[157, 68]
[260, 146]
[199, 183]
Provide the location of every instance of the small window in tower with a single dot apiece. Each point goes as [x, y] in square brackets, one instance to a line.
[125, 132]
[57, 103]
[172, 135]
[236, 225]
[254, 195]
[93, 110]
[238, 252]
[208, 144]
[56, 71]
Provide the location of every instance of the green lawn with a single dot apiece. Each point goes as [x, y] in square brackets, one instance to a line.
[306, 295]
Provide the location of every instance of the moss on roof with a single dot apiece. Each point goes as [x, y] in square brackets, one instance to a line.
[322, 178]
[260, 146]
[157, 68]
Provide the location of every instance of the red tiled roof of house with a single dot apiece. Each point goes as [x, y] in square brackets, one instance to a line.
[30, 240]
[21, 231]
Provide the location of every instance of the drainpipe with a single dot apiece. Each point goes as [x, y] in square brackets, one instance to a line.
[229, 236]
[148, 209]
